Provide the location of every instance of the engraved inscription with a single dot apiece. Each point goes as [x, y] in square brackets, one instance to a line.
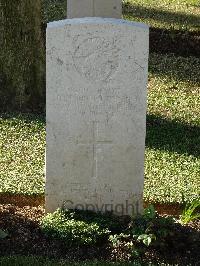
[104, 104]
[96, 58]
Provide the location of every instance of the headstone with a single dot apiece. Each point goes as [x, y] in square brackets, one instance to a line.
[94, 8]
[96, 114]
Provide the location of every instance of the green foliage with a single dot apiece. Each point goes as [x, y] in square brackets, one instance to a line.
[105, 220]
[67, 226]
[146, 230]
[54, 10]
[191, 212]
[150, 227]
[117, 239]
[146, 239]
[150, 212]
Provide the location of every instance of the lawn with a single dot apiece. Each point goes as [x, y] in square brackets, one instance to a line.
[22, 147]
[40, 261]
[167, 14]
[172, 166]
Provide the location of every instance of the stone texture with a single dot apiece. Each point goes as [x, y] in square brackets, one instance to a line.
[94, 8]
[96, 114]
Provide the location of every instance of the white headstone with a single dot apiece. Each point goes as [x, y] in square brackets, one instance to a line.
[96, 114]
[94, 8]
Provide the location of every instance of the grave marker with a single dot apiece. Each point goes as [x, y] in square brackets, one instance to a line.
[94, 8]
[96, 114]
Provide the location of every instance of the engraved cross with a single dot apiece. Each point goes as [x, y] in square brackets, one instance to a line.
[95, 143]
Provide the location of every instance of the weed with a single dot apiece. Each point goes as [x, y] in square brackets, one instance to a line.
[191, 212]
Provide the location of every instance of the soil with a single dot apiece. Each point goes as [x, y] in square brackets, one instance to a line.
[26, 238]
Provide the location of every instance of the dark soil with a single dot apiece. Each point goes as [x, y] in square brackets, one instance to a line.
[26, 238]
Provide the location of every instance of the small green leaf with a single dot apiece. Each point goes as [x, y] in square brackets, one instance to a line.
[142, 237]
[147, 241]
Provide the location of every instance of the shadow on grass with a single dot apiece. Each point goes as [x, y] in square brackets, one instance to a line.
[175, 67]
[164, 16]
[15, 117]
[172, 136]
[177, 37]
[181, 43]
[162, 133]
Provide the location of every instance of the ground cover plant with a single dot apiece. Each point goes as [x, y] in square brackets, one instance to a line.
[65, 225]
[150, 239]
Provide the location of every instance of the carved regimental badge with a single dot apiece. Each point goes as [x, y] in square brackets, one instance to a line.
[96, 58]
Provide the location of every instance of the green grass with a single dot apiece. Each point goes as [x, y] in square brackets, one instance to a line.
[54, 10]
[40, 261]
[172, 172]
[22, 145]
[172, 168]
[174, 88]
[167, 14]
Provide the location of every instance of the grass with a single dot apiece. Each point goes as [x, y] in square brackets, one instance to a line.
[172, 168]
[167, 14]
[54, 10]
[40, 261]
[22, 146]
[172, 146]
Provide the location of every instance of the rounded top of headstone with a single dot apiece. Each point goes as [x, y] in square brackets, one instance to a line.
[96, 20]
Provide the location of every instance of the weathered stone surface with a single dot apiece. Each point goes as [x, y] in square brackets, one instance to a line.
[94, 8]
[96, 114]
